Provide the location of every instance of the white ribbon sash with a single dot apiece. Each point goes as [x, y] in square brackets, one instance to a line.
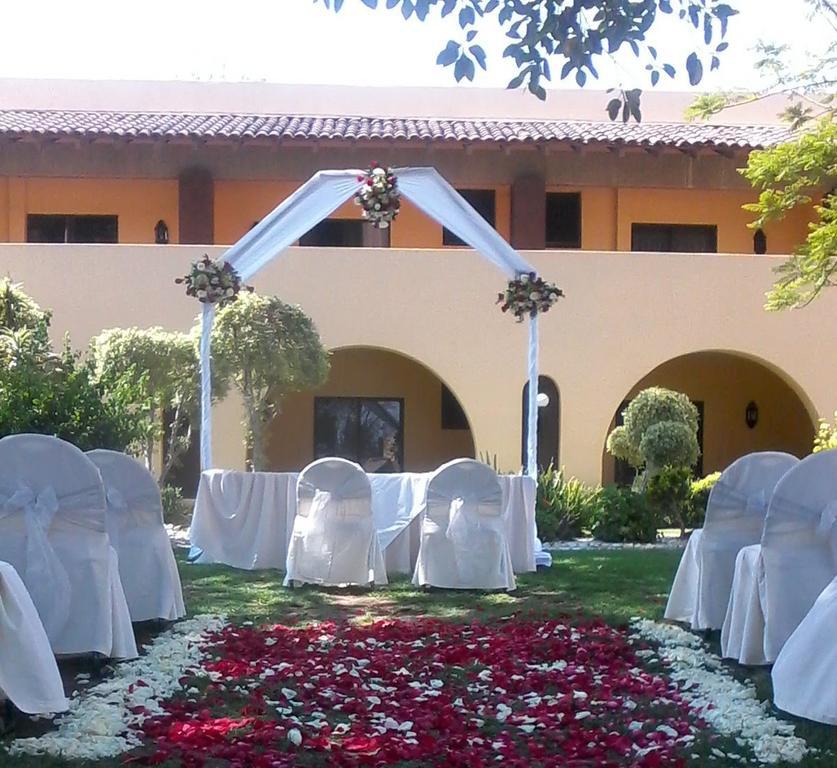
[44, 575]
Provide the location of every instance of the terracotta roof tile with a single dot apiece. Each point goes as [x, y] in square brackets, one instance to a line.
[173, 125]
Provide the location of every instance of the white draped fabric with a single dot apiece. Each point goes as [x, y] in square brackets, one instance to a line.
[28, 673]
[796, 560]
[463, 533]
[52, 531]
[245, 519]
[314, 201]
[735, 515]
[134, 522]
[334, 540]
[805, 673]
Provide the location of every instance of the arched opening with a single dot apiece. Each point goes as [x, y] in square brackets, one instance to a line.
[549, 423]
[380, 408]
[744, 404]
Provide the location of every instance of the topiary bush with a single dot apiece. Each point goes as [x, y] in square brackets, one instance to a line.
[564, 506]
[620, 515]
[660, 429]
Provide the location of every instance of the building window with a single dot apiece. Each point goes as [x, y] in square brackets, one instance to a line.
[71, 228]
[453, 417]
[675, 238]
[563, 220]
[482, 201]
[335, 233]
[624, 473]
[369, 431]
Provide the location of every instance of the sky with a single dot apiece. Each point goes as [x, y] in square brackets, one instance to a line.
[298, 41]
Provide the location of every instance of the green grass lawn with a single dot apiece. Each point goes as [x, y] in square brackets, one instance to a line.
[615, 585]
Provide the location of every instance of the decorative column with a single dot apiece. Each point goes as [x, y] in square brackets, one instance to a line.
[528, 213]
[196, 206]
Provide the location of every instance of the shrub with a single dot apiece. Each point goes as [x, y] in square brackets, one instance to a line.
[669, 444]
[564, 506]
[60, 399]
[699, 496]
[171, 497]
[670, 495]
[826, 437]
[52, 394]
[621, 515]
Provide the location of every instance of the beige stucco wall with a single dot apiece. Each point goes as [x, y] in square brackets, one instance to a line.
[624, 315]
[378, 374]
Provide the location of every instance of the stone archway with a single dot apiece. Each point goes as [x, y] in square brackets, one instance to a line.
[723, 384]
[549, 423]
[379, 407]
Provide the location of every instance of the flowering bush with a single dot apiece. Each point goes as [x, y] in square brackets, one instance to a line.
[213, 282]
[527, 295]
[423, 692]
[379, 196]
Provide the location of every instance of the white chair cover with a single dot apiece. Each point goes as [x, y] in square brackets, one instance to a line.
[796, 560]
[134, 522]
[52, 531]
[805, 673]
[734, 519]
[463, 533]
[28, 672]
[334, 541]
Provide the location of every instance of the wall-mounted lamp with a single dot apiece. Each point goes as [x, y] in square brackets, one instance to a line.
[751, 414]
[161, 233]
[759, 242]
[543, 399]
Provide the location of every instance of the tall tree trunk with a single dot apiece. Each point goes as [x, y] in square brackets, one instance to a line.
[149, 440]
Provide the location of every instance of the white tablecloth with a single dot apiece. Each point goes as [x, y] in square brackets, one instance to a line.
[245, 519]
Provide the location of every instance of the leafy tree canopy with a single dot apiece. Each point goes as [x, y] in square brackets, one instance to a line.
[266, 349]
[155, 373]
[574, 34]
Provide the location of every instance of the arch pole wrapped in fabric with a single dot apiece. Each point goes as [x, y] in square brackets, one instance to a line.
[322, 195]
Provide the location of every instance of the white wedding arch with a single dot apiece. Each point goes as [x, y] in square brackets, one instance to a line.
[320, 196]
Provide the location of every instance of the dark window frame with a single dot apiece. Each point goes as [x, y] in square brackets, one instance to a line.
[574, 243]
[360, 399]
[638, 227]
[448, 237]
[70, 219]
[356, 226]
[453, 416]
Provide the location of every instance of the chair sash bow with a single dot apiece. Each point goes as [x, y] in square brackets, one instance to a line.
[827, 527]
[44, 575]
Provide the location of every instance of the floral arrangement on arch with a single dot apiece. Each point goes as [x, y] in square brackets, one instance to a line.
[213, 282]
[379, 196]
[527, 295]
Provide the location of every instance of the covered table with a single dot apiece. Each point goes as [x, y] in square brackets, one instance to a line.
[245, 519]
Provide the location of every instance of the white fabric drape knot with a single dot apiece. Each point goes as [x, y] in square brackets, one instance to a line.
[117, 508]
[458, 523]
[44, 575]
[827, 528]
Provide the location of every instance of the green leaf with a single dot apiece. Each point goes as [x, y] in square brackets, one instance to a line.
[694, 67]
[449, 54]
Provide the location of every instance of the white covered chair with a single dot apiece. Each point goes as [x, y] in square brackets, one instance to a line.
[29, 676]
[134, 522]
[463, 532]
[334, 541]
[52, 531]
[805, 672]
[776, 582]
[735, 515]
